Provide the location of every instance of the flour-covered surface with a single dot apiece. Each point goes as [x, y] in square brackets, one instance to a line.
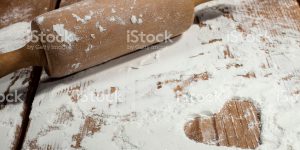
[13, 87]
[17, 88]
[242, 49]
[13, 11]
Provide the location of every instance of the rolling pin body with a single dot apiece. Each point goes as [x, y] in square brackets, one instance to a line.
[91, 32]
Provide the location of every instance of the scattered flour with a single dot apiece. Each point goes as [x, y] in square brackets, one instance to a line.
[93, 36]
[89, 48]
[136, 20]
[67, 36]
[116, 19]
[113, 10]
[40, 19]
[79, 19]
[76, 66]
[101, 29]
[85, 19]
[112, 19]
[140, 21]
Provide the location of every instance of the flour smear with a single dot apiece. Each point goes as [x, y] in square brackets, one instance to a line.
[14, 36]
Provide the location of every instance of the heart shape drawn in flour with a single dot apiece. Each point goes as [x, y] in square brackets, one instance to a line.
[236, 125]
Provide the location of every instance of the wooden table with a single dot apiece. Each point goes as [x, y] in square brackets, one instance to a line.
[242, 48]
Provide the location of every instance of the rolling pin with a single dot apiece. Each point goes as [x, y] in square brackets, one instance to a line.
[91, 32]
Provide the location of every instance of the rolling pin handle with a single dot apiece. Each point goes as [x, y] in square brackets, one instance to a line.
[21, 58]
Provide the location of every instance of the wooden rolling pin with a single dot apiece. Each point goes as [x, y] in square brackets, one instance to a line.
[92, 32]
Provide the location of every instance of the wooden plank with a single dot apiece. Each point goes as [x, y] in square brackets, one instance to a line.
[209, 134]
[241, 49]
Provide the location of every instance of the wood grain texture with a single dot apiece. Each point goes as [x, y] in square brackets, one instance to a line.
[236, 125]
[244, 48]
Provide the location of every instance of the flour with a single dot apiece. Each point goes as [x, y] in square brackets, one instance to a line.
[116, 19]
[93, 36]
[76, 66]
[101, 29]
[40, 19]
[140, 21]
[112, 19]
[113, 10]
[136, 20]
[14, 36]
[89, 48]
[67, 36]
[85, 19]
[79, 19]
